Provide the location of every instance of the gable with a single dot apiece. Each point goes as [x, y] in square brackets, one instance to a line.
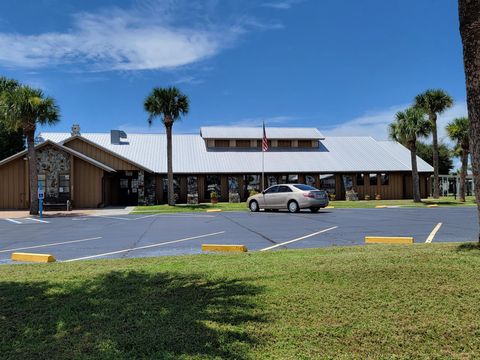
[100, 155]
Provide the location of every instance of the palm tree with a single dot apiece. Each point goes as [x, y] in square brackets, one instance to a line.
[407, 127]
[22, 107]
[172, 104]
[434, 102]
[457, 130]
[7, 84]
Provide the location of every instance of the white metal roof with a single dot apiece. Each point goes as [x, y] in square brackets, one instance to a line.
[190, 155]
[233, 132]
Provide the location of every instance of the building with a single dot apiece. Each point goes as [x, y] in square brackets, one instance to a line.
[111, 169]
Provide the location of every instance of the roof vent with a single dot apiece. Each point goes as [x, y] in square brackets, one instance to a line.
[75, 130]
[116, 137]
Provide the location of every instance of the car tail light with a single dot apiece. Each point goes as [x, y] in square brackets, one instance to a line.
[309, 195]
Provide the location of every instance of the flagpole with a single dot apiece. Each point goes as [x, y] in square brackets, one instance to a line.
[263, 157]
[263, 169]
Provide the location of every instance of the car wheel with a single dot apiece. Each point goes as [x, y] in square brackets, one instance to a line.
[293, 207]
[253, 206]
[314, 209]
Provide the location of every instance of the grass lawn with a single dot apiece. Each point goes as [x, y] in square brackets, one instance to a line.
[224, 206]
[443, 201]
[406, 302]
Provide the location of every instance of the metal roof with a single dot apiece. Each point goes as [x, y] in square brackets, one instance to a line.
[233, 132]
[190, 155]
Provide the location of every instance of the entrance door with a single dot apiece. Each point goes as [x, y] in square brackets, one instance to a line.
[128, 192]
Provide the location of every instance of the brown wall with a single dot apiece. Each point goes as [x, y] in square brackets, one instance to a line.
[87, 185]
[100, 155]
[14, 185]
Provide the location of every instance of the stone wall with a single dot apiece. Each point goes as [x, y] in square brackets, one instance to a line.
[52, 162]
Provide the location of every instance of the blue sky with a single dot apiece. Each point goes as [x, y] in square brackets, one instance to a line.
[344, 67]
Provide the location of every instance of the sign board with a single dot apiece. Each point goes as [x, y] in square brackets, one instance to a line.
[41, 194]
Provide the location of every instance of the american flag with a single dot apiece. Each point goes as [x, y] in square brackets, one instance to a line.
[264, 140]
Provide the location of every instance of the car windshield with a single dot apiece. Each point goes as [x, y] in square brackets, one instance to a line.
[305, 187]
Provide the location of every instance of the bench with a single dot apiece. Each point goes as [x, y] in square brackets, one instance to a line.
[57, 206]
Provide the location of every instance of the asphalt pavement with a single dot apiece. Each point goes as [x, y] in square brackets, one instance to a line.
[124, 236]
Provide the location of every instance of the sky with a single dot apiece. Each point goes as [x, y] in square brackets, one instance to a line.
[344, 67]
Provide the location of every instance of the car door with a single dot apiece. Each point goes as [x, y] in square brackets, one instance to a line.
[283, 196]
[269, 196]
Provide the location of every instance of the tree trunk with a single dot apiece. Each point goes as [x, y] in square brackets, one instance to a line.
[168, 127]
[436, 181]
[469, 12]
[32, 171]
[415, 178]
[463, 175]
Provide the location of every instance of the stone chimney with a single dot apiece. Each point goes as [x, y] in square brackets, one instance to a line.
[75, 130]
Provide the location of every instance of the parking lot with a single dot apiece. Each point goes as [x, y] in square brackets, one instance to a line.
[94, 237]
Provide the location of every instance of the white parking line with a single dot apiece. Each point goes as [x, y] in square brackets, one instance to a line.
[51, 244]
[433, 233]
[144, 247]
[298, 239]
[39, 220]
[13, 221]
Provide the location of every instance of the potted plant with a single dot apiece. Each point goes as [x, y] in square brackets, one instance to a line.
[378, 197]
[367, 197]
[214, 197]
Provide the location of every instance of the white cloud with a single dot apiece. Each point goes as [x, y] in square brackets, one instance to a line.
[282, 4]
[375, 123]
[150, 36]
[120, 42]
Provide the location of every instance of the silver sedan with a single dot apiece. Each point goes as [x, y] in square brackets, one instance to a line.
[289, 196]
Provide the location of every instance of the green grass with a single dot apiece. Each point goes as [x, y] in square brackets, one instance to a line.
[405, 302]
[443, 201]
[224, 206]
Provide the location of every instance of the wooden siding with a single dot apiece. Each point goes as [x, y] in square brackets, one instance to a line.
[13, 187]
[100, 155]
[87, 185]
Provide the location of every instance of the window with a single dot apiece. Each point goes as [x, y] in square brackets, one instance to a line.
[212, 184]
[252, 183]
[271, 180]
[284, 189]
[347, 182]
[373, 179]
[292, 179]
[271, 190]
[360, 179]
[233, 187]
[384, 179]
[243, 143]
[304, 143]
[304, 187]
[123, 183]
[284, 143]
[222, 143]
[64, 183]
[310, 180]
[328, 183]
